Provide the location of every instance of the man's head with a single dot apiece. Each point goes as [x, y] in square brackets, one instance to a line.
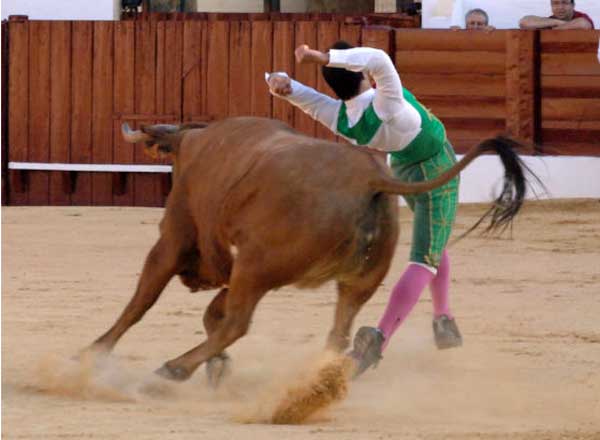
[345, 84]
[563, 9]
[476, 19]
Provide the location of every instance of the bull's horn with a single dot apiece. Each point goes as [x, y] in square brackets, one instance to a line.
[134, 136]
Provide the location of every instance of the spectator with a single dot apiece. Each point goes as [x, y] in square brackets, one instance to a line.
[478, 19]
[564, 16]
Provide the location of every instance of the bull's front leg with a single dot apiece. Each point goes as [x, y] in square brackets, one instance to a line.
[159, 268]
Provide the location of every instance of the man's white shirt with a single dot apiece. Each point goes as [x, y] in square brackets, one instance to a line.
[401, 122]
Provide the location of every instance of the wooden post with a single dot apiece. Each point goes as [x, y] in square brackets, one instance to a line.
[18, 101]
[5, 110]
[521, 86]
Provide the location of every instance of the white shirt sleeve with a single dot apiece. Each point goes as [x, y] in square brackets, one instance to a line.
[389, 99]
[318, 106]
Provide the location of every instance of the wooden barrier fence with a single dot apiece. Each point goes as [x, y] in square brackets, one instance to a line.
[72, 84]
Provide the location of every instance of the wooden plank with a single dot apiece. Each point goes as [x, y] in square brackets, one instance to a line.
[474, 126]
[565, 86]
[573, 47]
[18, 101]
[60, 107]
[123, 103]
[465, 106]
[261, 62]
[327, 35]
[557, 135]
[161, 68]
[476, 62]
[378, 38]
[464, 134]
[194, 69]
[217, 93]
[39, 109]
[173, 68]
[572, 125]
[172, 61]
[548, 37]
[521, 94]
[147, 190]
[422, 84]
[350, 33]
[306, 33]
[462, 145]
[240, 68]
[445, 40]
[81, 118]
[571, 109]
[4, 116]
[583, 64]
[283, 61]
[102, 126]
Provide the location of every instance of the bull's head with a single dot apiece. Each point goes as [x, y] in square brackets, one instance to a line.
[161, 140]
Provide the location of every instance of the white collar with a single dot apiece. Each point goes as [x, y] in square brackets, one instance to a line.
[356, 106]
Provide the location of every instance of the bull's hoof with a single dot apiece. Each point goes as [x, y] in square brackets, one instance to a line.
[178, 374]
[217, 368]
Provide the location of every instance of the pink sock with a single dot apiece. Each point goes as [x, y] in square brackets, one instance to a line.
[439, 288]
[403, 298]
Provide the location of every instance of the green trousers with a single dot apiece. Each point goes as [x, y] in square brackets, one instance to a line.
[434, 211]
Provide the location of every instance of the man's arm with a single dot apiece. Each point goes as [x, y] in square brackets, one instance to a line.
[577, 23]
[375, 63]
[535, 22]
[317, 105]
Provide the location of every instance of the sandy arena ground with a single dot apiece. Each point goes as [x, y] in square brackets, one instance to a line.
[528, 307]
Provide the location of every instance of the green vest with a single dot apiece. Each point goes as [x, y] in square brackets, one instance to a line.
[428, 142]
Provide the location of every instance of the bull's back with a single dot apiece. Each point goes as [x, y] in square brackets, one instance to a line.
[256, 180]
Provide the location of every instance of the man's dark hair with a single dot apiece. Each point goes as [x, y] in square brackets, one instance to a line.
[344, 83]
[479, 11]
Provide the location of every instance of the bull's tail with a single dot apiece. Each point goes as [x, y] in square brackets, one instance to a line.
[507, 204]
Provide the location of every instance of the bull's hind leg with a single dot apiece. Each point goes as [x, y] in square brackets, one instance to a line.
[217, 367]
[159, 268]
[352, 295]
[243, 295]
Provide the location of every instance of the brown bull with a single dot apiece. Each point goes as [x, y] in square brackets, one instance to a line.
[256, 205]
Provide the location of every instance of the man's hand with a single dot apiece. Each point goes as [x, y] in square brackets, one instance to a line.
[280, 84]
[306, 55]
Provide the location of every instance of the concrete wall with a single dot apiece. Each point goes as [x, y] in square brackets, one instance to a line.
[562, 176]
[62, 9]
[293, 5]
[230, 5]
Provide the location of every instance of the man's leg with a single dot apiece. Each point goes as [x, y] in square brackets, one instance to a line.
[440, 287]
[445, 330]
[434, 214]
